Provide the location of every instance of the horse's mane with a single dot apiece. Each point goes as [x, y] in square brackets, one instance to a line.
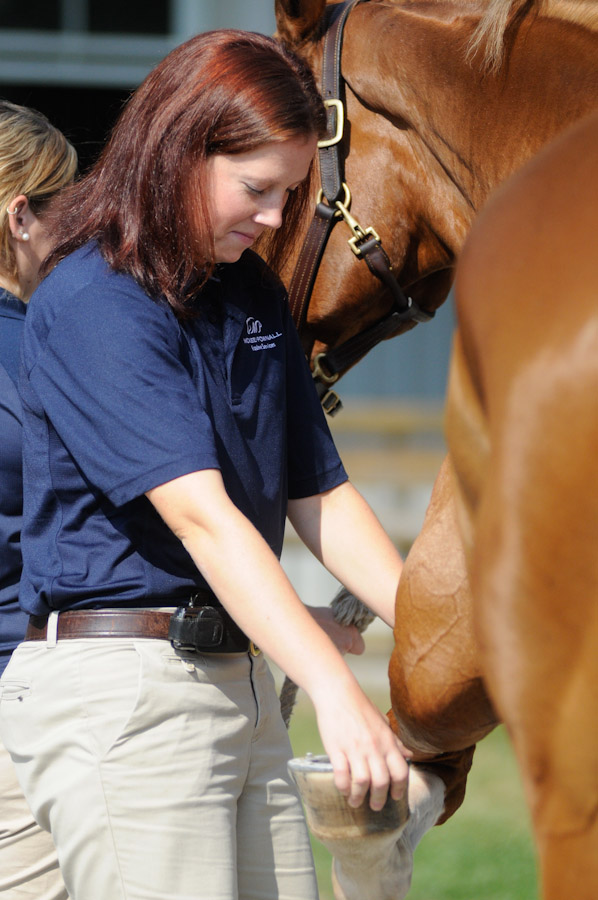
[488, 37]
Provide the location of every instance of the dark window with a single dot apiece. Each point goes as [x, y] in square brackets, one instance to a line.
[85, 115]
[128, 16]
[42, 14]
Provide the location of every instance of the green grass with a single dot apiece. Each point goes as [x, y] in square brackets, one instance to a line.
[484, 852]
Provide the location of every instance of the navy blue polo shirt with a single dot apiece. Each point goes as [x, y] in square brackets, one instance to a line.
[120, 397]
[12, 619]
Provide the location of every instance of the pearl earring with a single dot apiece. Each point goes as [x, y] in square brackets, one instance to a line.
[24, 235]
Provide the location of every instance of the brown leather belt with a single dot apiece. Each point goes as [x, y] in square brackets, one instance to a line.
[203, 629]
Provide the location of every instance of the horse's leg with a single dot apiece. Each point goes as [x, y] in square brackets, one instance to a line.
[535, 578]
[439, 705]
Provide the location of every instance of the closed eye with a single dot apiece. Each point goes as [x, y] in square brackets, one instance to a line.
[259, 191]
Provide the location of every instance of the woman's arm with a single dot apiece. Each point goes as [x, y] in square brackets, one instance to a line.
[249, 581]
[342, 531]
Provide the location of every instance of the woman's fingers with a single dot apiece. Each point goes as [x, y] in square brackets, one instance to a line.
[365, 754]
[360, 783]
[387, 776]
[399, 772]
[342, 773]
[376, 774]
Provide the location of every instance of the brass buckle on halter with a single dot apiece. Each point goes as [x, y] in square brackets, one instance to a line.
[331, 403]
[359, 233]
[329, 400]
[340, 124]
[371, 232]
[320, 374]
[345, 204]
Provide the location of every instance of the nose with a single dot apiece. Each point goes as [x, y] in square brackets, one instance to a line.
[270, 215]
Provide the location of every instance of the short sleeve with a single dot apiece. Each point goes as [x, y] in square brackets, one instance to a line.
[114, 377]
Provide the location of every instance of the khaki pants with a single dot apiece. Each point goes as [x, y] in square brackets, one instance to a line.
[28, 861]
[161, 776]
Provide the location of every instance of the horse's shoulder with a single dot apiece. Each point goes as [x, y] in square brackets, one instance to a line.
[527, 280]
[548, 207]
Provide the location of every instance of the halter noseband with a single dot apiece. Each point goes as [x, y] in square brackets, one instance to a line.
[332, 206]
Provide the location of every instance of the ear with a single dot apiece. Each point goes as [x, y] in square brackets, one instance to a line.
[20, 216]
[296, 20]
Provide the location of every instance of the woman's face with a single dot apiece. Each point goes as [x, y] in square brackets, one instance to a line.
[247, 191]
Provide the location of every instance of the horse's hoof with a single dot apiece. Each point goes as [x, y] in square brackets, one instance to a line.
[328, 814]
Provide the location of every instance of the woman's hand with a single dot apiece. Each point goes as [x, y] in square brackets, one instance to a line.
[346, 638]
[364, 752]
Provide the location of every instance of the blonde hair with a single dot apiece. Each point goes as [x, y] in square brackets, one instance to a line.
[35, 160]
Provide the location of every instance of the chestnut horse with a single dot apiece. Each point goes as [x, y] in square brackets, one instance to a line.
[444, 100]
[522, 428]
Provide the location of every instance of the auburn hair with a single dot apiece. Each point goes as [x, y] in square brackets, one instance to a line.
[144, 201]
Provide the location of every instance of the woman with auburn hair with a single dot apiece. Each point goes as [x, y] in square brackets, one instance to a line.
[171, 425]
[36, 160]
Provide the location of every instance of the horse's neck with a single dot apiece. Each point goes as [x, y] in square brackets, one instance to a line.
[480, 125]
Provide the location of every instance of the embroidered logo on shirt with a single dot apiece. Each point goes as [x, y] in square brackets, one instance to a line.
[253, 326]
[257, 340]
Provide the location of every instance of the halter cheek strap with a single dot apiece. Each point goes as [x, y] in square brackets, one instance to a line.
[332, 206]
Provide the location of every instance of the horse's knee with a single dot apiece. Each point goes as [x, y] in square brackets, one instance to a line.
[433, 718]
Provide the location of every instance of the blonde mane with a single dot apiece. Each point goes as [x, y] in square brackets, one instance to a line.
[488, 37]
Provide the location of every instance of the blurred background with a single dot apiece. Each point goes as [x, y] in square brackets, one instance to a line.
[77, 61]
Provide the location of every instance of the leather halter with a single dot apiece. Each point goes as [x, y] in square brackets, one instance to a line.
[332, 206]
